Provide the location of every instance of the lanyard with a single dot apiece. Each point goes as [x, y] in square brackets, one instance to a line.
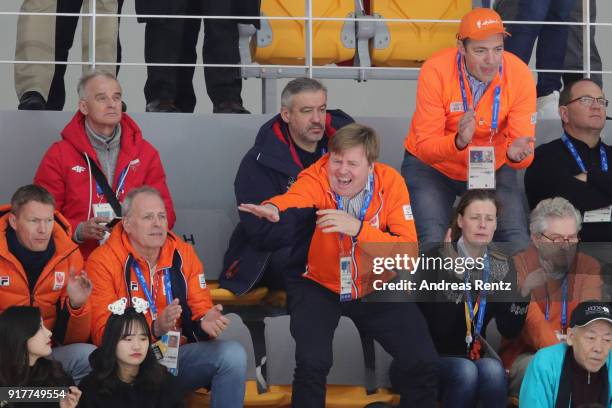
[148, 293]
[602, 154]
[366, 201]
[481, 304]
[563, 305]
[496, 96]
[119, 186]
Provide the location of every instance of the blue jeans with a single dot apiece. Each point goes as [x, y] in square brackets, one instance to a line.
[74, 359]
[552, 39]
[432, 195]
[466, 383]
[219, 365]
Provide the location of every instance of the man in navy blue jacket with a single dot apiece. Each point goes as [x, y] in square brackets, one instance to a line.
[261, 252]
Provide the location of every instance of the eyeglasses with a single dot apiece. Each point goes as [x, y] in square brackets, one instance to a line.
[589, 101]
[561, 240]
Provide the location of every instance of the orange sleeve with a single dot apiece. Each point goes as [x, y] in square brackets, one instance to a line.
[198, 294]
[591, 287]
[399, 228]
[538, 333]
[434, 143]
[305, 192]
[104, 293]
[521, 117]
[79, 323]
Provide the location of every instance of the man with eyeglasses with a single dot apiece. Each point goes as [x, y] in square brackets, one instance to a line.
[558, 278]
[575, 166]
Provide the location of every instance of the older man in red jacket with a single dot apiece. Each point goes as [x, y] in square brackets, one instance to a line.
[101, 157]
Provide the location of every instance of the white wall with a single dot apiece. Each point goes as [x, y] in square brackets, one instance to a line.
[372, 98]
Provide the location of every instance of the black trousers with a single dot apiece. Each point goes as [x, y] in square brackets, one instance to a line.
[65, 28]
[175, 40]
[399, 327]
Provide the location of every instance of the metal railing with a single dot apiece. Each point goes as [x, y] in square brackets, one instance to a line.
[272, 71]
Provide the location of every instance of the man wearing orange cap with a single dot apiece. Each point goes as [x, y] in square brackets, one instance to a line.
[474, 125]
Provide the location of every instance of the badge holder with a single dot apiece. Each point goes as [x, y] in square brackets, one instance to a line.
[166, 350]
[104, 210]
[481, 167]
[600, 215]
[346, 272]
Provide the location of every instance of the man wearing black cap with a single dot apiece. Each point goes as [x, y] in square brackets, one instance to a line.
[576, 373]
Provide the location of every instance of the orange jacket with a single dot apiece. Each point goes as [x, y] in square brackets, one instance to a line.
[110, 265]
[387, 220]
[49, 295]
[583, 284]
[439, 107]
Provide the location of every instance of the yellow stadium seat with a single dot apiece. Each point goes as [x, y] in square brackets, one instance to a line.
[339, 396]
[283, 41]
[345, 387]
[225, 297]
[276, 298]
[401, 44]
[200, 398]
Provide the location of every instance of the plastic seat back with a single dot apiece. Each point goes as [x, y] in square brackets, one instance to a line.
[284, 41]
[409, 44]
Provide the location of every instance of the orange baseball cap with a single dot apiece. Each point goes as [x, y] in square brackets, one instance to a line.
[479, 24]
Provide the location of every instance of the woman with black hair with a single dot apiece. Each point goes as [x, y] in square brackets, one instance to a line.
[25, 343]
[125, 371]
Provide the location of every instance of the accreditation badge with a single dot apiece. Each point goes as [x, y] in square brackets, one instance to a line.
[346, 281]
[169, 349]
[104, 210]
[600, 215]
[481, 167]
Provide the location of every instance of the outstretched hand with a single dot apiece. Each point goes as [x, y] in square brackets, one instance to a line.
[267, 211]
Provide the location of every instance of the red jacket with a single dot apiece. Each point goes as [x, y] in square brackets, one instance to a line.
[49, 295]
[109, 266]
[388, 221]
[65, 173]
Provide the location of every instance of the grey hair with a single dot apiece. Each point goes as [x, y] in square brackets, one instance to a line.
[126, 206]
[84, 80]
[556, 207]
[300, 85]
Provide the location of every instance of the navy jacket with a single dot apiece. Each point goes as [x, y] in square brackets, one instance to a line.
[257, 247]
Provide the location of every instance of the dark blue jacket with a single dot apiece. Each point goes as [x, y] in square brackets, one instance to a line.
[257, 247]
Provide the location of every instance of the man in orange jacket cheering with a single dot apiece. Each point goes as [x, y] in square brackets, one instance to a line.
[41, 266]
[473, 125]
[359, 202]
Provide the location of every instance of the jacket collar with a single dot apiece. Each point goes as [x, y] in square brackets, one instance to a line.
[119, 243]
[75, 134]
[61, 236]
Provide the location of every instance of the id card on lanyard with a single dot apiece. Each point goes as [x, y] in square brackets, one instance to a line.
[481, 159]
[166, 349]
[562, 336]
[105, 210]
[478, 310]
[347, 283]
